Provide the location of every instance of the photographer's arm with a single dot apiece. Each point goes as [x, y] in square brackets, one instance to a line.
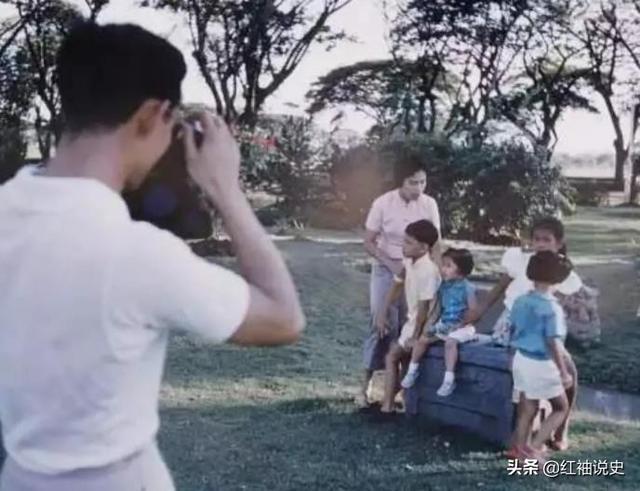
[274, 314]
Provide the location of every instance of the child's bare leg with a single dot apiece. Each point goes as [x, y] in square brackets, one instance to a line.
[450, 360]
[527, 409]
[450, 354]
[396, 353]
[559, 408]
[420, 347]
[363, 398]
[560, 438]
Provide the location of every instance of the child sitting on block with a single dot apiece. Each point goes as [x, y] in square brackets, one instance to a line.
[457, 299]
[419, 280]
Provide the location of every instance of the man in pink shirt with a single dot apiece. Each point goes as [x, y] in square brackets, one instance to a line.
[385, 226]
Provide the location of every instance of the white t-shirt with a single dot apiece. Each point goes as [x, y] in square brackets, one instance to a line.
[515, 262]
[87, 298]
[421, 283]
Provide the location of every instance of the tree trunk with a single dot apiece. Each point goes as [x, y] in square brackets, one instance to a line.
[621, 157]
[422, 127]
[633, 186]
[635, 159]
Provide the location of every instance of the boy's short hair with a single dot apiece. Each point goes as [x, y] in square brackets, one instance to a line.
[423, 231]
[548, 267]
[462, 258]
[105, 72]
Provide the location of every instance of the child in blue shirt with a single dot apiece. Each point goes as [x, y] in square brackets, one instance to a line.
[539, 370]
[457, 300]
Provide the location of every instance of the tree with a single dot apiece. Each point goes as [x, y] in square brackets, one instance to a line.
[31, 40]
[626, 31]
[535, 108]
[16, 91]
[603, 31]
[551, 78]
[246, 49]
[476, 41]
[504, 60]
[390, 91]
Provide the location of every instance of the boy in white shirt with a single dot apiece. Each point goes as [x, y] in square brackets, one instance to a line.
[420, 280]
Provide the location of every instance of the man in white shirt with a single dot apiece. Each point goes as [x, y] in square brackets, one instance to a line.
[87, 296]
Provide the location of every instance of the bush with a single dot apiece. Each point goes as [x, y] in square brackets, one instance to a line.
[590, 193]
[489, 192]
[287, 158]
[357, 177]
[13, 149]
[486, 193]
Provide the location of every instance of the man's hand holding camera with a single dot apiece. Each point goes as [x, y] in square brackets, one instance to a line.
[215, 164]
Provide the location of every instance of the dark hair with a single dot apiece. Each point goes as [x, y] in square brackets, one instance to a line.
[548, 267]
[554, 226]
[462, 258]
[105, 73]
[423, 231]
[406, 164]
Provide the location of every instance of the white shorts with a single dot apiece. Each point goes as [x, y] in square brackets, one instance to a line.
[536, 379]
[406, 333]
[462, 335]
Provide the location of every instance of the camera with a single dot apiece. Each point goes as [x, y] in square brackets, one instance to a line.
[168, 198]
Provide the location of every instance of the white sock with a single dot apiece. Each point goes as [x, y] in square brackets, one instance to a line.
[449, 377]
[413, 367]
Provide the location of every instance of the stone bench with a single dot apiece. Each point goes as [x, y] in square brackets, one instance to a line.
[481, 403]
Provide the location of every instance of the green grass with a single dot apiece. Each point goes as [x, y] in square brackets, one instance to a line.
[282, 419]
[613, 232]
[611, 235]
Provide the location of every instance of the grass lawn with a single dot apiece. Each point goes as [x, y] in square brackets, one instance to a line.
[282, 419]
[604, 232]
[605, 243]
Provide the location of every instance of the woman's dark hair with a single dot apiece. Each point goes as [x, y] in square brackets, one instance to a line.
[548, 267]
[423, 231]
[462, 258]
[406, 163]
[554, 226]
[105, 72]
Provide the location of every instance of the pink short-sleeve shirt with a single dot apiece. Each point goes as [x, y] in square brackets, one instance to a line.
[390, 214]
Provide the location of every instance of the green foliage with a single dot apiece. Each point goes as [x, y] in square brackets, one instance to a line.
[16, 91]
[487, 192]
[590, 193]
[288, 157]
[29, 96]
[12, 151]
[399, 95]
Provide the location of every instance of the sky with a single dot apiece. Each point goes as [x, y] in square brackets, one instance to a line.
[579, 132]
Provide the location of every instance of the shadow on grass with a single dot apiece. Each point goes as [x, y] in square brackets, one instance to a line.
[318, 444]
[313, 444]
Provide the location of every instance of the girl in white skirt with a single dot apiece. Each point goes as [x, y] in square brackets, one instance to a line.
[539, 368]
[547, 234]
